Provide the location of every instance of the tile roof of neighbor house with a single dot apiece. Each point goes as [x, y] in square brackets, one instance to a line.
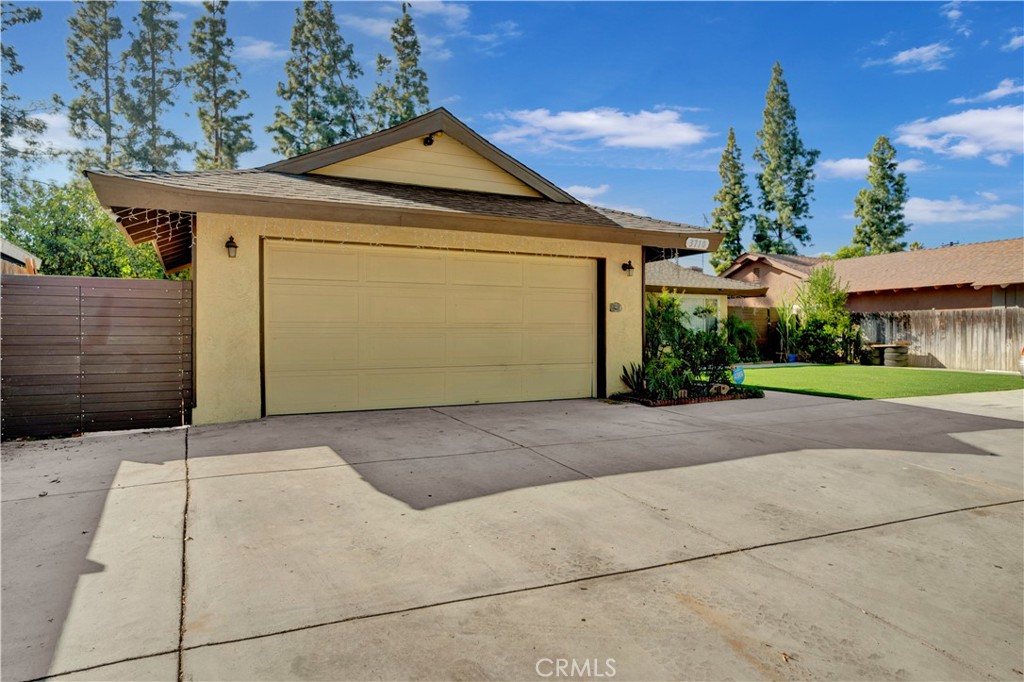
[997, 263]
[670, 275]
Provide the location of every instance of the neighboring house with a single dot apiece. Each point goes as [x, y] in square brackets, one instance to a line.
[15, 260]
[695, 289]
[416, 266]
[780, 275]
[981, 275]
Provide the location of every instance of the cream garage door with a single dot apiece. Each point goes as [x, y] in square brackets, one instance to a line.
[351, 327]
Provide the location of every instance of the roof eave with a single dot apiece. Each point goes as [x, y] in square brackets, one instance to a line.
[120, 191]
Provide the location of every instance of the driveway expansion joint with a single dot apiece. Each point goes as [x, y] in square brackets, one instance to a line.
[590, 578]
[184, 566]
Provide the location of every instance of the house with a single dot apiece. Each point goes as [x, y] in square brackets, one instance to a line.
[694, 289]
[416, 266]
[780, 274]
[15, 260]
[980, 275]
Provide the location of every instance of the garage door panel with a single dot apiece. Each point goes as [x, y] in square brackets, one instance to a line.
[557, 347]
[403, 350]
[319, 262]
[411, 267]
[402, 307]
[312, 350]
[560, 308]
[566, 275]
[540, 383]
[303, 392]
[466, 386]
[481, 271]
[288, 303]
[423, 327]
[469, 349]
[471, 307]
[401, 389]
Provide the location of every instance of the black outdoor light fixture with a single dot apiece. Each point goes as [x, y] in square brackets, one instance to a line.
[232, 247]
[628, 268]
[428, 140]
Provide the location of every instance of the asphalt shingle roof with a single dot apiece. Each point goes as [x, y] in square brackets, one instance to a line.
[285, 187]
[981, 264]
[674, 276]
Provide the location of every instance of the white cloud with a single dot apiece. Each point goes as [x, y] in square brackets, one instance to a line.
[956, 210]
[636, 210]
[609, 127]
[254, 49]
[955, 16]
[843, 168]
[913, 166]
[989, 196]
[587, 193]
[1006, 87]
[926, 58]
[55, 139]
[857, 168]
[372, 26]
[1016, 42]
[177, 16]
[453, 14]
[995, 133]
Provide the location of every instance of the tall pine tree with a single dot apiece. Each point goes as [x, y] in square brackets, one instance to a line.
[146, 89]
[212, 77]
[19, 130]
[323, 102]
[733, 202]
[879, 208]
[787, 174]
[403, 92]
[92, 70]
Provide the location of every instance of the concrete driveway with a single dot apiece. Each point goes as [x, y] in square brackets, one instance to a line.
[787, 538]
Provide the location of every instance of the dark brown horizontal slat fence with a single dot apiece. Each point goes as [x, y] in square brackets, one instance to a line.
[84, 354]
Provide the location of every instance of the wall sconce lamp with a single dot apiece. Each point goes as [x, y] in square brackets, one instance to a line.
[428, 140]
[232, 247]
[628, 268]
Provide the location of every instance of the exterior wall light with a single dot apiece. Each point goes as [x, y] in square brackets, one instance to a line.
[628, 268]
[428, 140]
[232, 247]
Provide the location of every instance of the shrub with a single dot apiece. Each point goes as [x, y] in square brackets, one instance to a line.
[743, 337]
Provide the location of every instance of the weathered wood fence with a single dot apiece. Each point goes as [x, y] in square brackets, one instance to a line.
[978, 339]
[84, 354]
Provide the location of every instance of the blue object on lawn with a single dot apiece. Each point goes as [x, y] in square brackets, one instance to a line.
[738, 375]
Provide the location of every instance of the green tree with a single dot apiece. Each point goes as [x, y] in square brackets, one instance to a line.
[850, 251]
[213, 77]
[146, 90]
[880, 206]
[787, 174]
[733, 202]
[19, 130]
[403, 92]
[826, 331]
[73, 235]
[323, 103]
[915, 246]
[92, 71]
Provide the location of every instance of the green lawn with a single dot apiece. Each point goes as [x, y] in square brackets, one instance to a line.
[866, 383]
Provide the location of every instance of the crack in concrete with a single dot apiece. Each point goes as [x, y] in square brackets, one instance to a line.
[184, 568]
[601, 576]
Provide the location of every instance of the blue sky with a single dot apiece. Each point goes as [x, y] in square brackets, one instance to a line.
[628, 105]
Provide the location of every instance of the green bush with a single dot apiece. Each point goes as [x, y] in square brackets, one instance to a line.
[676, 357]
[743, 337]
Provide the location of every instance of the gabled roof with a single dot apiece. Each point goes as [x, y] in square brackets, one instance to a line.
[437, 121]
[160, 207]
[799, 266]
[668, 275]
[997, 263]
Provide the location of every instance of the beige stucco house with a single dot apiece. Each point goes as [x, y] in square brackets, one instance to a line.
[416, 266]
